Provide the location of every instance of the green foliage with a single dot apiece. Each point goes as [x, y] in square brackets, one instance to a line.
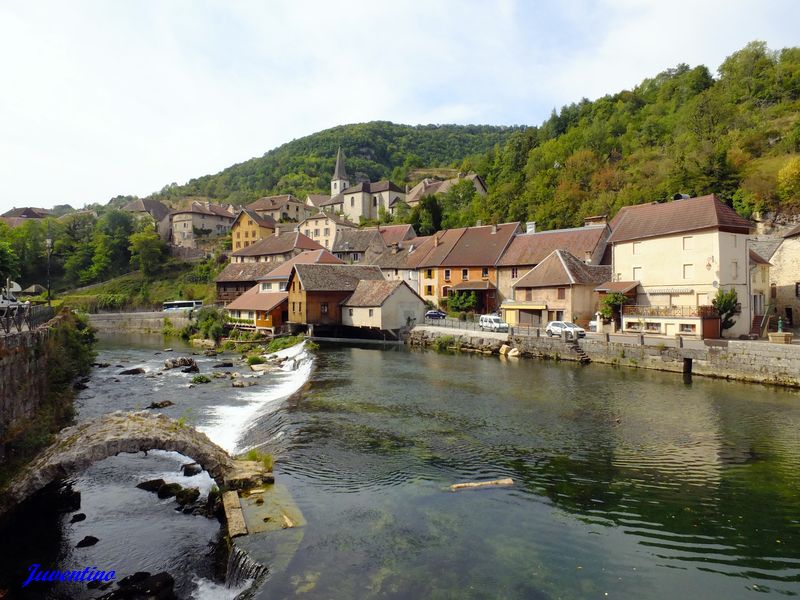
[462, 302]
[280, 343]
[9, 263]
[442, 343]
[726, 304]
[168, 329]
[611, 305]
[208, 323]
[255, 359]
[201, 379]
[378, 150]
[789, 184]
[147, 252]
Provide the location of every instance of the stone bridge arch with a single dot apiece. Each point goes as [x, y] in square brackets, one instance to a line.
[76, 448]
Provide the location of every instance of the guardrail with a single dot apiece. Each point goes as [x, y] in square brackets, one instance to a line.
[640, 310]
[17, 316]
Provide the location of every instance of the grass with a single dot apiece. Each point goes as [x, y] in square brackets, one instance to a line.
[264, 458]
[201, 379]
[284, 342]
[441, 344]
[255, 359]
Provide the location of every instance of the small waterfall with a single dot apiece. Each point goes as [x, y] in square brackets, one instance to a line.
[242, 568]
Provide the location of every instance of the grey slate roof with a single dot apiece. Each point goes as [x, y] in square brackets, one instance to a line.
[372, 292]
[356, 240]
[339, 172]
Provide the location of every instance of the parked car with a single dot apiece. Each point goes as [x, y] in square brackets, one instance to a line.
[9, 300]
[492, 323]
[593, 325]
[435, 314]
[564, 329]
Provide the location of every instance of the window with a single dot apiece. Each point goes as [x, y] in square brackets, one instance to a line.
[293, 309]
[735, 240]
[796, 290]
[238, 234]
[308, 232]
[246, 234]
[250, 222]
[266, 286]
[637, 273]
[282, 286]
[429, 290]
[316, 233]
[327, 231]
[350, 311]
[323, 308]
[375, 201]
[514, 272]
[352, 201]
[528, 294]
[370, 312]
[735, 269]
[447, 274]
[300, 307]
[429, 273]
[395, 272]
[688, 271]
[687, 328]
[465, 274]
[249, 314]
[562, 293]
[485, 272]
[688, 243]
[238, 244]
[636, 248]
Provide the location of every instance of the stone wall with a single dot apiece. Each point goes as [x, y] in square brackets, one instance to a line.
[23, 364]
[141, 322]
[759, 362]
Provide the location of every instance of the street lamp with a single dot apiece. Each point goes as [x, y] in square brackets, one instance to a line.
[48, 244]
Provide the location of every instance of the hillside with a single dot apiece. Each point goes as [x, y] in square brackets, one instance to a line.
[683, 131]
[375, 150]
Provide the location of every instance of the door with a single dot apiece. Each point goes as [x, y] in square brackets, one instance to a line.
[758, 304]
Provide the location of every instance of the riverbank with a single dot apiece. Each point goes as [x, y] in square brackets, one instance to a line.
[747, 361]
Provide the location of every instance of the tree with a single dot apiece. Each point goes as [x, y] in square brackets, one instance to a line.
[789, 184]
[9, 263]
[611, 305]
[726, 304]
[147, 252]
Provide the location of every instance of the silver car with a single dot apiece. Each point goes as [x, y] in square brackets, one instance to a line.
[564, 329]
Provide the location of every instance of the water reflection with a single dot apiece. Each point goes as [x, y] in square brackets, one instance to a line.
[627, 482]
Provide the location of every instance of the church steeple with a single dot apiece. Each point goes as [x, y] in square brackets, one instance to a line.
[339, 180]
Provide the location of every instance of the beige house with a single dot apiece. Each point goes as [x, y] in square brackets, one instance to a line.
[387, 305]
[200, 220]
[285, 208]
[152, 210]
[587, 243]
[680, 253]
[759, 289]
[279, 247]
[559, 288]
[783, 254]
[323, 227]
[431, 187]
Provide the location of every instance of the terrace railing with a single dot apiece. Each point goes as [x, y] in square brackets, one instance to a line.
[698, 312]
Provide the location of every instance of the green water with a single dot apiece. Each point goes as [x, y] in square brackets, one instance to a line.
[628, 484]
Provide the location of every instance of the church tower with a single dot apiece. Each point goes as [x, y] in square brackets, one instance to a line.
[339, 182]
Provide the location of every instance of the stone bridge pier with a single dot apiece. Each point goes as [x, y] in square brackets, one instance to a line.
[76, 448]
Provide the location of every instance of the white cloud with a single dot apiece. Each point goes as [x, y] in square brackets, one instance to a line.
[100, 99]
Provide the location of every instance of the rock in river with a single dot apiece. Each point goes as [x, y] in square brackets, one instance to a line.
[168, 490]
[89, 540]
[152, 485]
[181, 361]
[136, 371]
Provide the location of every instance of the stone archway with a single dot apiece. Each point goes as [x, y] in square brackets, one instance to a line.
[76, 448]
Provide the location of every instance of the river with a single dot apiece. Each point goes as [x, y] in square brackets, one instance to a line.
[628, 484]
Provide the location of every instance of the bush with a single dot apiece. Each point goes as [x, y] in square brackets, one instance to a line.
[441, 344]
[262, 457]
[201, 379]
[255, 359]
[284, 342]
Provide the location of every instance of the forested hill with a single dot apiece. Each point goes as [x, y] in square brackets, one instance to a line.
[683, 131]
[375, 150]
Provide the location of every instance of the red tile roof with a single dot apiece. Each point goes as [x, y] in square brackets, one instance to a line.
[279, 244]
[623, 287]
[250, 271]
[562, 268]
[481, 246]
[392, 234]
[528, 249]
[266, 221]
[252, 299]
[338, 278]
[372, 292]
[670, 218]
[283, 270]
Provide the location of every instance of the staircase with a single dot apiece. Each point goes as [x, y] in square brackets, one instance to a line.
[755, 326]
[583, 358]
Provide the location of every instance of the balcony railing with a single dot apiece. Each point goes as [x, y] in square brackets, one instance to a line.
[639, 310]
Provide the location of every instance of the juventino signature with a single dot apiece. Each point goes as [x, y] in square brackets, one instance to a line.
[88, 574]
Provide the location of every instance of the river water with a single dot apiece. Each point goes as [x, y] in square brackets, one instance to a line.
[628, 484]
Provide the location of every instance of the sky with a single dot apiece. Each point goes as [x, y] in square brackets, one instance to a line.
[99, 99]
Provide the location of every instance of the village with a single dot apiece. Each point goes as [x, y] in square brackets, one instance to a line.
[308, 265]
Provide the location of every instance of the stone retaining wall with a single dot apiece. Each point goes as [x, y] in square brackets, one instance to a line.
[141, 322]
[759, 362]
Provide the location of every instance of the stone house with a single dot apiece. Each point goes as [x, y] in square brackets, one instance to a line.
[279, 247]
[783, 254]
[385, 305]
[200, 220]
[559, 288]
[352, 245]
[284, 208]
[323, 228]
[152, 210]
[432, 187]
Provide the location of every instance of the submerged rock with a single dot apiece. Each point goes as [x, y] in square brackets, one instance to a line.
[168, 490]
[191, 369]
[181, 361]
[136, 371]
[187, 496]
[144, 586]
[77, 518]
[89, 540]
[225, 364]
[152, 485]
[101, 365]
[162, 404]
[191, 469]
[241, 383]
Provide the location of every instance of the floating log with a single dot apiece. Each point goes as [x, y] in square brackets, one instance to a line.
[481, 484]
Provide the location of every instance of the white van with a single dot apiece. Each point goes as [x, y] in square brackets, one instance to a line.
[492, 323]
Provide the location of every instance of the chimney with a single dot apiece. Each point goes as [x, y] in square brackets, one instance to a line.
[435, 240]
[530, 227]
[587, 257]
[277, 229]
[478, 223]
[395, 249]
[494, 229]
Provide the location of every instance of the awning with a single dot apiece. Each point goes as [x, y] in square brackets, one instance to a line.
[669, 291]
[473, 285]
[622, 287]
[522, 306]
